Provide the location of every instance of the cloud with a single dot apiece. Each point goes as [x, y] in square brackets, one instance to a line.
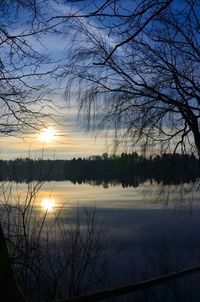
[68, 144]
[96, 29]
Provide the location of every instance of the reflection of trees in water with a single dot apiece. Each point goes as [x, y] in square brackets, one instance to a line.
[60, 257]
[125, 183]
[84, 253]
[177, 196]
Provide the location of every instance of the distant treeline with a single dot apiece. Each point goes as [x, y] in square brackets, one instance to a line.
[128, 169]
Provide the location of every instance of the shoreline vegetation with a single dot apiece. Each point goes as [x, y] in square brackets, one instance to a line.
[127, 169]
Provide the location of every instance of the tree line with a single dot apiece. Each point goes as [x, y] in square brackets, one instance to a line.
[127, 168]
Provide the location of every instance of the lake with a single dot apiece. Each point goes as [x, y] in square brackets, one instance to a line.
[150, 229]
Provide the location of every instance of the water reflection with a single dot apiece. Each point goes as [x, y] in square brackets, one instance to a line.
[48, 204]
[150, 224]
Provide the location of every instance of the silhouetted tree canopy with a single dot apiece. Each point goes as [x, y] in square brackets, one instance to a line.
[128, 169]
[136, 66]
[24, 92]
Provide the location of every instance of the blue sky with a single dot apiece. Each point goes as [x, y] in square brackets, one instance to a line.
[70, 136]
[71, 140]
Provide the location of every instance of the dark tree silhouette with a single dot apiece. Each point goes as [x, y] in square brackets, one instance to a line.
[22, 94]
[23, 70]
[137, 69]
[136, 64]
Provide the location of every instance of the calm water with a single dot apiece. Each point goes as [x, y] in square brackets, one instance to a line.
[151, 229]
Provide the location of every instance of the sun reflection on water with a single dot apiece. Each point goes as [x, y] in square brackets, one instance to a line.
[48, 204]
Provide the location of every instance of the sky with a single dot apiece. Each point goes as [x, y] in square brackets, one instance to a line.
[69, 138]
[62, 143]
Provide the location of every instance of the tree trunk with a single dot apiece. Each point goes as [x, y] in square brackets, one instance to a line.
[9, 290]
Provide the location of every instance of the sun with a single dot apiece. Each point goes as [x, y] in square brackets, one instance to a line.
[47, 135]
[48, 204]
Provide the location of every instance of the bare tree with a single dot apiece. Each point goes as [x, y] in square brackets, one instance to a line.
[136, 65]
[23, 90]
[137, 69]
[23, 69]
[52, 257]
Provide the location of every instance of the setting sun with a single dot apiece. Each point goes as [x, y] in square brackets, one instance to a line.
[47, 135]
[48, 204]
